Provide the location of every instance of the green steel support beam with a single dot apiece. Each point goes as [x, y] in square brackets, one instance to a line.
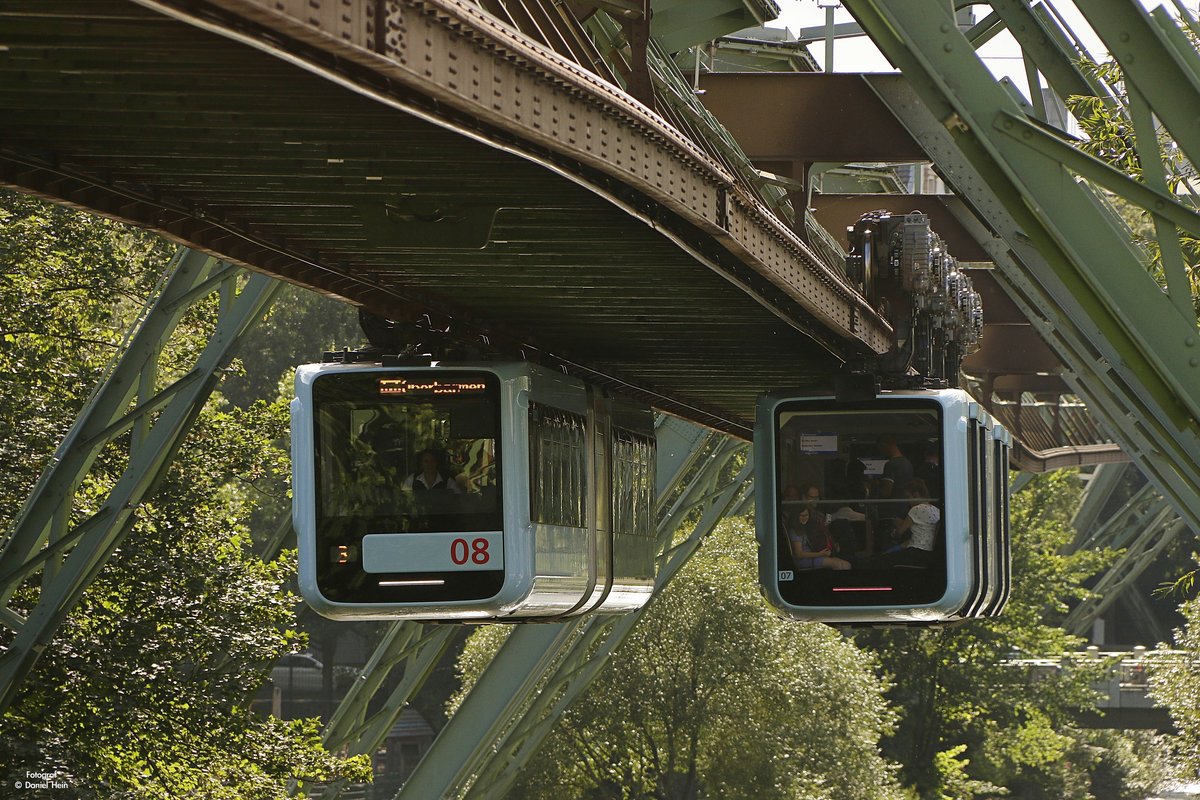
[75, 556]
[540, 668]
[982, 31]
[1095, 268]
[597, 642]
[1137, 513]
[105, 415]
[1020, 481]
[1062, 255]
[1088, 373]
[498, 699]
[1146, 621]
[1045, 45]
[1143, 526]
[1157, 197]
[1139, 555]
[1104, 481]
[502, 770]
[1156, 59]
[419, 647]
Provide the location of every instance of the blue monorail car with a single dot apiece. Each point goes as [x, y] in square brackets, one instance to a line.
[892, 510]
[469, 491]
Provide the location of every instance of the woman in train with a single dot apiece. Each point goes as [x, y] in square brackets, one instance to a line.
[429, 477]
[810, 543]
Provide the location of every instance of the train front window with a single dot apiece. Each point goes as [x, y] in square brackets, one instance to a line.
[407, 453]
[860, 505]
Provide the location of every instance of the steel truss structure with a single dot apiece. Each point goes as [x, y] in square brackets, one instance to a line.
[1033, 199]
[68, 554]
[1064, 256]
[1141, 528]
[539, 670]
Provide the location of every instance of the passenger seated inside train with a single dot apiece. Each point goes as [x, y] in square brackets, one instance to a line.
[915, 535]
[430, 476]
[850, 521]
[809, 541]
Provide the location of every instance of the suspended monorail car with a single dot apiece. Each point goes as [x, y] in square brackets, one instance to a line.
[469, 491]
[892, 510]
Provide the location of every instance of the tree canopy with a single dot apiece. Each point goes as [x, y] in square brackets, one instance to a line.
[145, 691]
[713, 696]
[978, 718]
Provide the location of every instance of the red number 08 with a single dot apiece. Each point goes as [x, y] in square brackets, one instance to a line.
[477, 551]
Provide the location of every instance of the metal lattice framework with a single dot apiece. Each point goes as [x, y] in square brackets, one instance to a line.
[540, 669]
[1064, 256]
[132, 399]
[1141, 528]
[1033, 199]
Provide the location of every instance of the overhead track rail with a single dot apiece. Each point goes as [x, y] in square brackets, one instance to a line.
[421, 158]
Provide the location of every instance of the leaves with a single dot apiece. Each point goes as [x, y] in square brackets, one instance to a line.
[145, 691]
[712, 695]
[978, 711]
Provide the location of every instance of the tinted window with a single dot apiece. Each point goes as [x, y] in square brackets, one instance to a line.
[860, 512]
[404, 453]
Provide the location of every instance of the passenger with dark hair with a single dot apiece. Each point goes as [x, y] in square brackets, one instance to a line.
[897, 471]
[850, 523]
[811, 545]
[930, 468]
[429, 477]
[810, 493]
[893, 483]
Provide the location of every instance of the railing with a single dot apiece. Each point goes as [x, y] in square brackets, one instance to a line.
[1127, 683]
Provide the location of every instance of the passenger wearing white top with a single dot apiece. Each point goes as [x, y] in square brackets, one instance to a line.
[921, 524]
[918, 532]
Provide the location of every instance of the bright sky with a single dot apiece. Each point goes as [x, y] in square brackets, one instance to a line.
[1001, 54]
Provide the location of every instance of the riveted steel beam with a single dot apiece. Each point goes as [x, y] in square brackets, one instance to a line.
[1060, 254]
[1139, 554]
[1097, 494]
[1156, 59]
[681, 446]
[588, 121]
[354, 728]
[590, 655]
[1045, 45]
[1094, 268]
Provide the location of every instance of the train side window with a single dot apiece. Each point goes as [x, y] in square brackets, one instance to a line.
[633, 466]
[557, 467]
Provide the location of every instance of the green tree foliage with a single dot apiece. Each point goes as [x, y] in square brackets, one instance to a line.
[1175, 683]
[1110, 136]
[712, 696]
[976, 723]
[145, 691]
[300, 325]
